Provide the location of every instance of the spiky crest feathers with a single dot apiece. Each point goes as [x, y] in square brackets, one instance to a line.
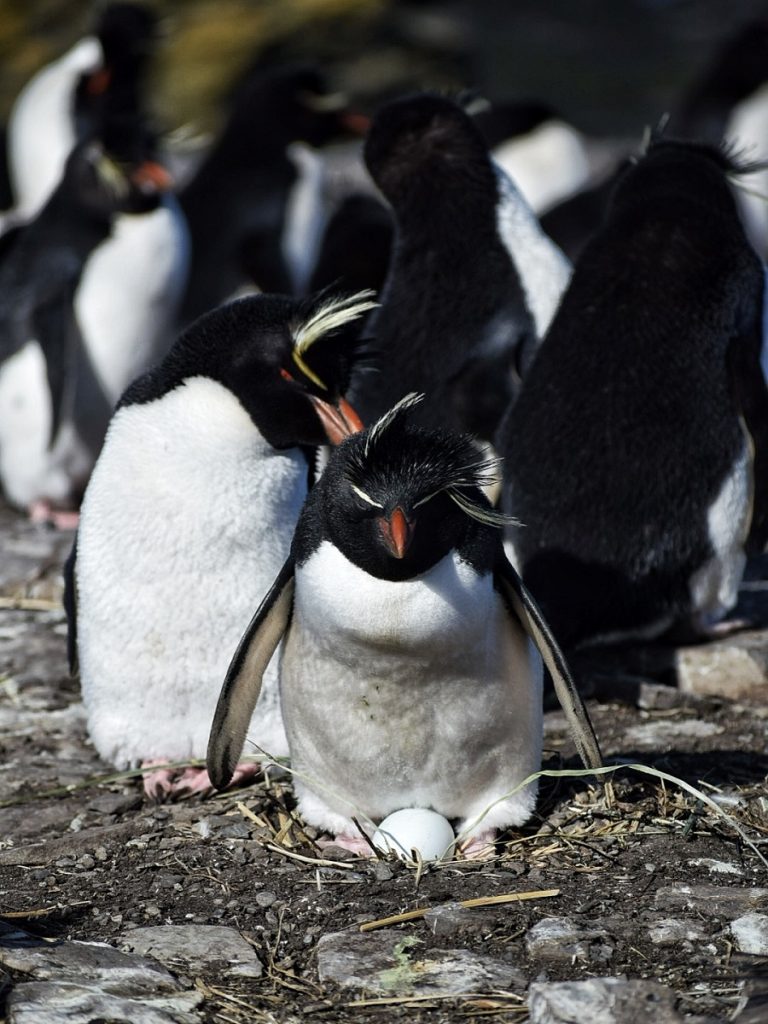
[427, 464]
[327, 316]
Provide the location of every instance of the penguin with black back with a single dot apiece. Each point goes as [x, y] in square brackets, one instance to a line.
[405, 645]
[67, 101]
[187, 518]
[635, 454]
[54, 409]
[473, 282]
[239, 204]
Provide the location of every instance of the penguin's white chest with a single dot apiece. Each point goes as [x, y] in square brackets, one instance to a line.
[416, 693]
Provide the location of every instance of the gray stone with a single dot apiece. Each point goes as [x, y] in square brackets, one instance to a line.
[668, 931]
[560, 938]
[453, 919]
[711, 900]
[113, 971]
[602, 1001]
[751, 933]
[387, 962]
[196, 947]
[64, 1002]
[736, 668]
[663, 734]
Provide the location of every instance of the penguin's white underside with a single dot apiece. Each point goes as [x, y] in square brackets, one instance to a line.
[29, 467]
[186, 521]
[129, 293]
[424, 692]
[543, 269]
[546, 164]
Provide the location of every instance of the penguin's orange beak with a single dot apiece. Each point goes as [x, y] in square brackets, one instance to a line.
[152, 176]
[339, 421]
[396, 532]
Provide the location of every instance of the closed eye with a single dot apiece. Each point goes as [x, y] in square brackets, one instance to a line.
[365, 497]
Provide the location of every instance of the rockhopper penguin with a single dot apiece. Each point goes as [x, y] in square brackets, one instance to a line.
[188, 516]
[406, 650]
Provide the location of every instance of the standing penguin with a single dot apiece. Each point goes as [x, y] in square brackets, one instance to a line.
[640, 434]
[64, 102]
[188, 516]
[255, 201]
[473, 282]
[54, 408]
[407, 677]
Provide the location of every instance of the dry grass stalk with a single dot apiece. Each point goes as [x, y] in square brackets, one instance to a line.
[476, 901]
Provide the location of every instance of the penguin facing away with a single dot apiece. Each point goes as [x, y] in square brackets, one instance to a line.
[188, 516]
[54, 408]
[635, 454]
[405, 645]
[254, 204]
[473, 282]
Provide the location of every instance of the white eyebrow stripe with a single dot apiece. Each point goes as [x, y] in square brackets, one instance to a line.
[364, 496]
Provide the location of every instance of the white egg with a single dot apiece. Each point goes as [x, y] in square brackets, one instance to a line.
[415, 828]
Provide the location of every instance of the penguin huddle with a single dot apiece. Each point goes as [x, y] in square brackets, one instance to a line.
[285, 541]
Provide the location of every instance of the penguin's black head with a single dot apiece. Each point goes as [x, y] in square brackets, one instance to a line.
[127, 33]
[396, 499]
[96, 183]
[422, 144]
[281, 359]
[671, 170]
[289, 104]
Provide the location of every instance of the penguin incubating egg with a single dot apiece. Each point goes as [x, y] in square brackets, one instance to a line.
[54, 403]
[639, 436]
[473, 282]
[406, 649]
[188, 516]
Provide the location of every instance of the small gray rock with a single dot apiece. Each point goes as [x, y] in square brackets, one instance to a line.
[751, 933]
[602, 1001]
[196, 947]
[453, 919]
[560, 938]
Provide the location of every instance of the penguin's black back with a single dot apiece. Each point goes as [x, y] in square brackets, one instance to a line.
[450, 276]
[628, 424]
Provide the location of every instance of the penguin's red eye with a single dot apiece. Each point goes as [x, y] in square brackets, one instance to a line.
[285, 375]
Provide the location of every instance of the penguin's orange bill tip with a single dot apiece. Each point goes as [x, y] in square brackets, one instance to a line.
[338, 422]
[396, 532]
[152, 174]
[357, 124]
[98, 82]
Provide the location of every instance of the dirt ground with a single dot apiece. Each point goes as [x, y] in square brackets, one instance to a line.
[83, 856]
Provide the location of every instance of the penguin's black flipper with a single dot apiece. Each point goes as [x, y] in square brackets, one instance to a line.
[56, 329]
[70, 607]
[521, 602]
[242, 684]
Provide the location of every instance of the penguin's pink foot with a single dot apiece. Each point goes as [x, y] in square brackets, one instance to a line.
[480, 846]
[181, 783]
[42, 511]
[356, 844]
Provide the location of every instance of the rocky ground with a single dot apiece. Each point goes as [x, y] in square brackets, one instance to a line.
[650, 904]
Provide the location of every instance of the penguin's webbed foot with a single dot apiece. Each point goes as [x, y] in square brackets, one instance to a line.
[479, 846]
[43, 512]
[356, 844]
[170, 784]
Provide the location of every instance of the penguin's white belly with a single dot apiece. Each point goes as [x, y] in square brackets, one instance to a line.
[547, 164]
[129, 294]
[29, 468]
[187, 520]
[418, 693]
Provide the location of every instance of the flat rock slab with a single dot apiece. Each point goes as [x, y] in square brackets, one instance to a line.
[711, 900]
[751, 933]
[736, 668]
[195, 948]
[390, 963]
[115, 972]
[66, 1002]
[603, 1001]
